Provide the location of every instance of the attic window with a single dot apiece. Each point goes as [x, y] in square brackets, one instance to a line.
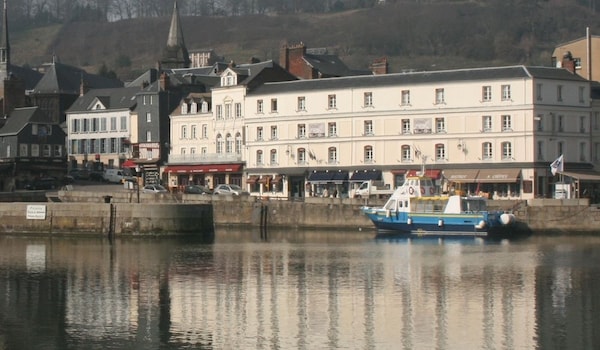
[98, 106]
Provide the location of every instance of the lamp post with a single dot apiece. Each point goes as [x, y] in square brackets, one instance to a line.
[137, 182]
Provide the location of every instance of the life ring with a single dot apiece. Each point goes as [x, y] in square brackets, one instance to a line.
[422, 190]
[411, 190]
[431, 190]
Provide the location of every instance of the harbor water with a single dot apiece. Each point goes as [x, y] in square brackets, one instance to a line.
[299, 290]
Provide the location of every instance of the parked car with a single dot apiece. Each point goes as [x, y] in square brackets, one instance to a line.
[115, 175]
[196, 189]
[154, 189]
[97, 176]
[44, 183]
[79, 174]
[229, 189]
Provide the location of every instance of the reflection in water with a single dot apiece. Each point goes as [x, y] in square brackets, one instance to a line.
[301, 290]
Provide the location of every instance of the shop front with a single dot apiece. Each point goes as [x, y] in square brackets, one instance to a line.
[357, 177]
[208, 175]
[499, 183]
[327, 183]
[460, 181]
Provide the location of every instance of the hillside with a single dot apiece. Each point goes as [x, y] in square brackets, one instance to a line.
[419, 36]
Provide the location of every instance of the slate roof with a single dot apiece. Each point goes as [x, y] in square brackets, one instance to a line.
[415, 78]
[65, 79]
[331, 65]
[20, 117]
[148, 77]
[115, 98]
[29, 76]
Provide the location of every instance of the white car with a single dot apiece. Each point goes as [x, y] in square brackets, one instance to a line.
[227, 189]
[154, 189]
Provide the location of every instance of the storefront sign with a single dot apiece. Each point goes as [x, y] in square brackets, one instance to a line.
[36, 212]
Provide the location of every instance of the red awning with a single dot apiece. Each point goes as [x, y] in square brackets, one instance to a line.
[128, 164]
[432, 173]
[212, 168]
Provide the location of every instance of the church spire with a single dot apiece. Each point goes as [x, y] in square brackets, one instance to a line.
[176, 54]
[4, 46]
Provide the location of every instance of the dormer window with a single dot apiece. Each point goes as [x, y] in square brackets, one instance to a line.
[184, 108]
[228, 79]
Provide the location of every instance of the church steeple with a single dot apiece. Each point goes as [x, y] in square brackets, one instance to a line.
[4, 47]
[176, 54]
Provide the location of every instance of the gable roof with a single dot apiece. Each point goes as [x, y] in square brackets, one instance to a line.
[255, 74]
[331, 66]
[20, 117]
[29, 76]
[65, 79]
[414, 78]
[112, 99]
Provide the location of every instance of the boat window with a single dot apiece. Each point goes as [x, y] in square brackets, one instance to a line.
[473, 205]
[391, 204]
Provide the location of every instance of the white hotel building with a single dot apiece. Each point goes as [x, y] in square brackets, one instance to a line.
[490, 130]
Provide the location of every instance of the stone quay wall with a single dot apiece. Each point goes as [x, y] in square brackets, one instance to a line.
[119, 213]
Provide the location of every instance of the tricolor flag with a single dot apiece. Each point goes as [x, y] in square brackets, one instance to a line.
[557, 166]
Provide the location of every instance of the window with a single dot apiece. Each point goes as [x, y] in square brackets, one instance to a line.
[75, 125]
[486, 123]
[24, 150]
[219, 112]
[103, 146]
[123, 124]
[506, 123]
[582, 124]
[219, 144]
[507, 151]
[540, 122]
[184, 132]
[103, 124]
[148, 117]
[561, 126]
[192, 150]
[273, 157]
[273, 132]
[560, 147]
[596, 121]
[406, 154]
[113, 124]
[581, 94]
[486, 93]
[331, 102]
[228, 111]
[582, 152]
[440, 125]
[486, 152]
[259, 157]
[368, 99]
[405, 98]
[238, 143]
[204, 131]
[259, 107]
[273, 105]
[439, 96]
[540, 150]
[301, 103]
[596, 151]
[35, 150]
[332, 129]
[440, 152]
[46, 151]
[57, 151]
[194, 134]
[85, 125]
[368, 127]
[301, 156]
[194, 107]
[259, 133]
[506, 96]
[301, 131]
[368, 155]
[238, 110]
[148, 136]
[332, 155]
[559, 93]
[538, 92]
[204, 108]
[228, 144]
[406, 126]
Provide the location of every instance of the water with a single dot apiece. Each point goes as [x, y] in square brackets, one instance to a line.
[299, 290]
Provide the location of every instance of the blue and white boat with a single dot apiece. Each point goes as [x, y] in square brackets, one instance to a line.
[416, 208]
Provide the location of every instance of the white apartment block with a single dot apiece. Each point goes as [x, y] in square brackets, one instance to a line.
[489, 130]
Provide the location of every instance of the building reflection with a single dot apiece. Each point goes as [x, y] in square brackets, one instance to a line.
[253, 294]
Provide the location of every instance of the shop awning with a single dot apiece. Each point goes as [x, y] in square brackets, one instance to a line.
[277, 178]
[128, 164]
[364, 175]
[339, 177]
[461, 175]
[583, 176]
[264, 179]
[252, 179]
[212, 168]
[320, 176]
[498, 175]
[398, 171]
[432, 173]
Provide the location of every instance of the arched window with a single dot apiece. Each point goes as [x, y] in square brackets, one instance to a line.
[184, 132]
[228, 144]
[219, 144]
[368, 154]
[259, 157]
[332, 156]
[238, 143]
[440, 152]
[273, 157]
[507, 153]
[406, 153]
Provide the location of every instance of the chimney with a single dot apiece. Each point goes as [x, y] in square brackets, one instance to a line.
[568, 62]
[290, 53]
[83, 87]
[379, 66]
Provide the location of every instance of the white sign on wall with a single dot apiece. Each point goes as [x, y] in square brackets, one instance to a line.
[36, 212]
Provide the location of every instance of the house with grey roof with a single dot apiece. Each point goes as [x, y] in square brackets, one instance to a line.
[33, 146]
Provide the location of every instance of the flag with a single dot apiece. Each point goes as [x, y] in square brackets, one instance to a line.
[557, 166]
